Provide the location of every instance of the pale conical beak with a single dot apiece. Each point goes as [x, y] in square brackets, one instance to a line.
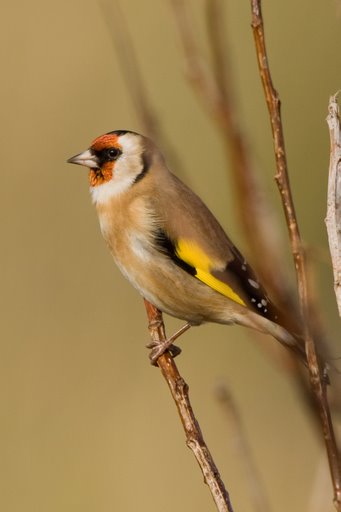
[87, 158]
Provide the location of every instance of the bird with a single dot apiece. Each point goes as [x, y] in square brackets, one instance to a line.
[170, 246]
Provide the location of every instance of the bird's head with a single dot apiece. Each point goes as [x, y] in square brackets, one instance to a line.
[116, 161]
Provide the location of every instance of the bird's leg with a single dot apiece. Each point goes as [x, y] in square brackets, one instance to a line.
[159, 348]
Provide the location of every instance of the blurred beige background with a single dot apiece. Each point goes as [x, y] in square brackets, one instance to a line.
[86, 423]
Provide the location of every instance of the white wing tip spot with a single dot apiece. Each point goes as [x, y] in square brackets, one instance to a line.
[253, 283]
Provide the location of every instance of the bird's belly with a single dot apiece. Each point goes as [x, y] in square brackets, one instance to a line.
[159, 280]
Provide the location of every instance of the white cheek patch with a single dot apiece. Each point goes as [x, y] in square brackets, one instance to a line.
[127, 167]
[128, 143]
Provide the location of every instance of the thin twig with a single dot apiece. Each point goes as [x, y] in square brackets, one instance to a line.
[179, 391]
[333, 218]
[318, 383]
[256, 488]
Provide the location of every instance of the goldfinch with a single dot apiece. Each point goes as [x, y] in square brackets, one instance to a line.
[169, 245]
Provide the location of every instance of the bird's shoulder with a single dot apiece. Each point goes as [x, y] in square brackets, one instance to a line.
[186, 217]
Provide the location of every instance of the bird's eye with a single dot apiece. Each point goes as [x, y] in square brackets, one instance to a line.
[112, 153]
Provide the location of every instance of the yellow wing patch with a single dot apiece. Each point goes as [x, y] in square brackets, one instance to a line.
[192, 254]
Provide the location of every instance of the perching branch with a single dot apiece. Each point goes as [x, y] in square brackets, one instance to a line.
[177, 385]
[179, 391]
[318, 383]
[333, 218]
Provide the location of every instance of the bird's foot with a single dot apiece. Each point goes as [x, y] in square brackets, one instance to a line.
[160, 347]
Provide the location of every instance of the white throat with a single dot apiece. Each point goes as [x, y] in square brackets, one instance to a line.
[101, 194]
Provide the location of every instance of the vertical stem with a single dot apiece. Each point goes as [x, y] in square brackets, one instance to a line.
[318, 383]
[333, 218]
